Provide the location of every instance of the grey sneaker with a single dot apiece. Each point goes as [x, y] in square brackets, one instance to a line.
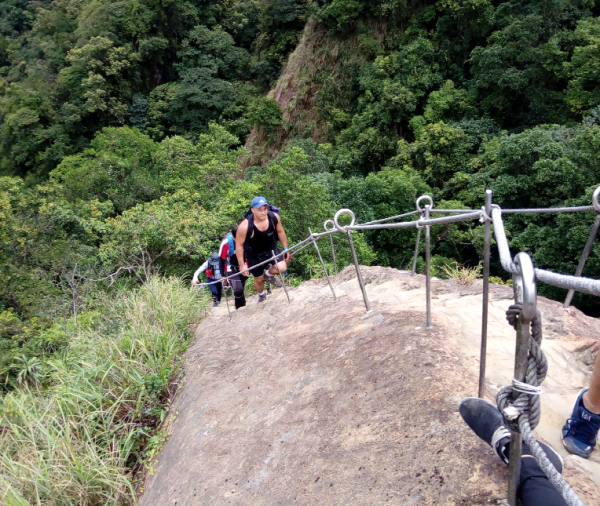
[262, 298]
[273, 280]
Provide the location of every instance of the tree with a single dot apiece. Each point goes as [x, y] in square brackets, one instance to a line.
[117, 168]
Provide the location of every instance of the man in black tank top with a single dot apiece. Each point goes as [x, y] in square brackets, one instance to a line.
[266, 228]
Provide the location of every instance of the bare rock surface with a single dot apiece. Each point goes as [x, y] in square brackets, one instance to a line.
[318, 402]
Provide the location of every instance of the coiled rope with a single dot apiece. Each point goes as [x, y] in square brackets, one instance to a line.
[522, 412]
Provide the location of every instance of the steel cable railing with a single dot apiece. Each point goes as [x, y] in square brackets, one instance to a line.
[524, 282]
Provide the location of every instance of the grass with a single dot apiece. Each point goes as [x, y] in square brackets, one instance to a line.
[83, 437]
[461, 274]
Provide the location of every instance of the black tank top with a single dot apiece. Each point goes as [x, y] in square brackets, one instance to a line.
[262, 242]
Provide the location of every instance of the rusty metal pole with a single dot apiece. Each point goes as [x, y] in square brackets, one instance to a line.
[428, 268]
[487, 232]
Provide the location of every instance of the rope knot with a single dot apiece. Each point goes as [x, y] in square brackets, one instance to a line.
[523, 398]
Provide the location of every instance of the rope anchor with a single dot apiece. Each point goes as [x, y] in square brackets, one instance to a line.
[520, 403]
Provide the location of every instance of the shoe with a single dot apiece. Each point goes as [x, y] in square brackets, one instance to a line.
[581, 430]
[273, 280]
[262, 297]
[486, 421]
[215, 304]
[268, 287]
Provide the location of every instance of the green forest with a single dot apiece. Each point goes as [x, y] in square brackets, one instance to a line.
[134, 134]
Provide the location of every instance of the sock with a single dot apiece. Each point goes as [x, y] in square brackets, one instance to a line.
[262, 293]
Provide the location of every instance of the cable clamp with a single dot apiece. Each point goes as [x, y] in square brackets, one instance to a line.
[484, 216]
[511, 413]
[525, 388]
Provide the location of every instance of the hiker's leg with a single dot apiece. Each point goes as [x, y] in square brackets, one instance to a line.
[213, 289]
[534, 487]
[237, 284]
[282, 268]
[259, 283]
[219, 291]
[257, 272]
[591, 399]
[580, 432]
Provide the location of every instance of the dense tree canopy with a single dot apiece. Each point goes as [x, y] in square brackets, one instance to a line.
[134, 134]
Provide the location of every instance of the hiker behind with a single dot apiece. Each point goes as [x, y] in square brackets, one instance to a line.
[229, 264]
[213, 273]
[257, 237]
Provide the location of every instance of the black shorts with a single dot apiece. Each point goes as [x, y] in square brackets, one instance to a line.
[261, 257]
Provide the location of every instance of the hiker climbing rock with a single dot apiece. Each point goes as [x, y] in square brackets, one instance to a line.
[257, 238]
[534, 487]
[213, 273]
[580, 432]
[229, 264]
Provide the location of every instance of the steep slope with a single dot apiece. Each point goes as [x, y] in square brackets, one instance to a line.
[318, 54]
[318, 402]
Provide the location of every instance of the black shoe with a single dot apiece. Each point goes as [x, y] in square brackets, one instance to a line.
[486, 421]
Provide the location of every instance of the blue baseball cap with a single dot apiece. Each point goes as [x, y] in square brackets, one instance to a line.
[259, 202]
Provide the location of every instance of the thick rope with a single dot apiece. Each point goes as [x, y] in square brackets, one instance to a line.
[523, 410]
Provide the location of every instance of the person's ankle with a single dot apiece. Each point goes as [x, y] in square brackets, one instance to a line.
[591, 407]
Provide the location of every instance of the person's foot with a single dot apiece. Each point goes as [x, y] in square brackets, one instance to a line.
[581, 430]
[262, 297]
[486, 421]
[273, 280]
[215, 303]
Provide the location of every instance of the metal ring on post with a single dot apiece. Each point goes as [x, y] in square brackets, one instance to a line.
[424, 197]
[526, 280]
[595, 199]
[332, 225]
[337, 215]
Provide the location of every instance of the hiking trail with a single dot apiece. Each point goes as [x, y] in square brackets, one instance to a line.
[317, 402]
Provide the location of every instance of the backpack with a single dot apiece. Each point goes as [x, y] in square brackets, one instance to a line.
[214, 267]
[230, 248]
[272, 218]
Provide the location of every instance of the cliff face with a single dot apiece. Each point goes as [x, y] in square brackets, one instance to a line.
[318, 402]
[316, 58]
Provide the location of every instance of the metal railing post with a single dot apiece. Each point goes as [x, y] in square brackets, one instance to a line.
[333, 254]
[428, 267]
[584, 257]
[414, 266]
[487, 230]
[331, 241]
[323, 264]
[281, 277]
[358, 274]
[227, 299]
[525, 293]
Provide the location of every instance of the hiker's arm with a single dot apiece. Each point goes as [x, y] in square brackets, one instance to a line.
[223, 270]
[223, 252]
[200, 270]
[283, 239]
[240, 239]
